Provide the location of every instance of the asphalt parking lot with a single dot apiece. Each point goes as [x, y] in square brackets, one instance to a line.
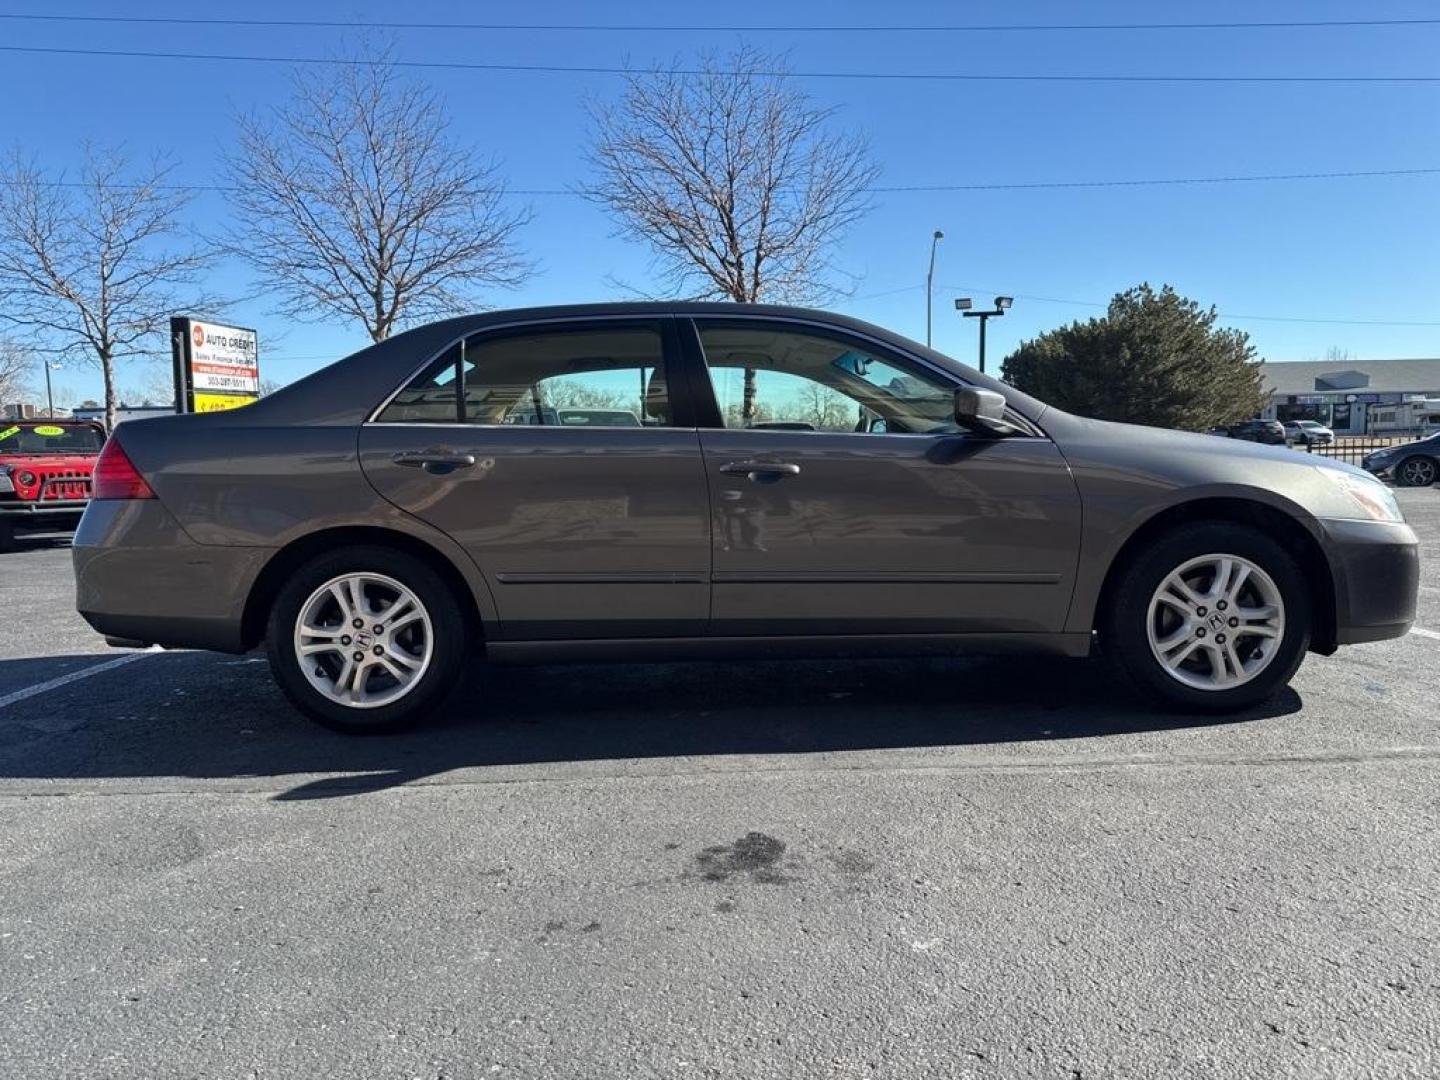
[985, 867]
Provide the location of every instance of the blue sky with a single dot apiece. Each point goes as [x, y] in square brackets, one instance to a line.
[1351, 249]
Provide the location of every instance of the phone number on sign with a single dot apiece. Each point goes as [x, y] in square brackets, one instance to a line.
[225, 382]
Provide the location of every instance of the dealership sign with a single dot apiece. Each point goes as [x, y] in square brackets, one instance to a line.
[216, 366]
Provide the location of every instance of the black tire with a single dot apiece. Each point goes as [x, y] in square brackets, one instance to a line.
[1123, 627]
[1412, 472]
[7, 536]
[451, 647]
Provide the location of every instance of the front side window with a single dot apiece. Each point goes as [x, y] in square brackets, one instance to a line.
[579, 378]
[791, 379]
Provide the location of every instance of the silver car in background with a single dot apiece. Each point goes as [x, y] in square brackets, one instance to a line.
[660, 481]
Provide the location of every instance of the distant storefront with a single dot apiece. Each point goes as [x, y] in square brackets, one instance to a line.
[123, 413]
[1373, 397]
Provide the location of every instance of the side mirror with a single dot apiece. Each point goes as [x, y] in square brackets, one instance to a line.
[981, 410]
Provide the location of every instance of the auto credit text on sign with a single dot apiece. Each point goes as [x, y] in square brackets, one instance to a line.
[223, 359]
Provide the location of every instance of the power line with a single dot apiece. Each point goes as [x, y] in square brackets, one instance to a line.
[870, 76]
[1222, 314]
[1022, 186]
[906, 189]
[834, 28]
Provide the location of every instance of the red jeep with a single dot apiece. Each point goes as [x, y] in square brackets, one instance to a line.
[45, 468]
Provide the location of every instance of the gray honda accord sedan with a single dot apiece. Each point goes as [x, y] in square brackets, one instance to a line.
[662, 481]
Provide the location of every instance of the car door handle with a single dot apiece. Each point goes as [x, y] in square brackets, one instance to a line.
[438, 462]
[765, 472]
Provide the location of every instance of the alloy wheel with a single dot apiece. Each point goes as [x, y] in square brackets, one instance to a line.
[363, 640]
[1418, 472]
[1215, 622]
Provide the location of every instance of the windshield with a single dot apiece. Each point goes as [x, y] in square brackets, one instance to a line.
[48, 438]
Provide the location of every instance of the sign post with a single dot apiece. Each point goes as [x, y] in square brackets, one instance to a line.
[216, 366]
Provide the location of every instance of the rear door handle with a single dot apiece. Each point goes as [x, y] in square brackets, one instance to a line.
[762, 472]
[436, 462]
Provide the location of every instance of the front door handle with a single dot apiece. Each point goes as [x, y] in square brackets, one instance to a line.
[436, 462]
[761, 472]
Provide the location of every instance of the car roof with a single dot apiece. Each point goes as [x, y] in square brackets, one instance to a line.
[348, 390]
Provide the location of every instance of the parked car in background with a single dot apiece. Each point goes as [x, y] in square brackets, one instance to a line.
[800, 483]
[1271, 432]
[45, 474]
[1412, 464]
[1308, 433]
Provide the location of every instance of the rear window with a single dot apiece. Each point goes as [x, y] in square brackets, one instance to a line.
[29, 437]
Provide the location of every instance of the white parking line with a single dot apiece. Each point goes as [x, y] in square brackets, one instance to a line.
[76, 676]
[1414, 630]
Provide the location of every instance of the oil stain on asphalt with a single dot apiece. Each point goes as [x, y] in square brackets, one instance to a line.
[754, 856]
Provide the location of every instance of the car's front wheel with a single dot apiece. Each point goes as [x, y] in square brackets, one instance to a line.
[1213, 617]
[1417, 471]
[366, 639]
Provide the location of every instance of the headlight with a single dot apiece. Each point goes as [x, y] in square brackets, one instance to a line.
[1374, 499]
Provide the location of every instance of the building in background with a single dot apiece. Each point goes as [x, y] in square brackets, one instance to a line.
[1356, 397]
[123, 413]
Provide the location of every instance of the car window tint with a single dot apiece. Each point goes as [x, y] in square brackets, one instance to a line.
[565, 378]
[796, 380]
[430, 398]
[578, 379]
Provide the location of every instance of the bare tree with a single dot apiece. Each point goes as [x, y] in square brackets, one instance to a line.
[352, 201]
[822, 408]
[155, 387]
[15, 367]
[732, 177]
[94, 269]
[572, 394]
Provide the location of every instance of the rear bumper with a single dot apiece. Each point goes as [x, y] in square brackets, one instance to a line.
[139, 577]
[1376, 569]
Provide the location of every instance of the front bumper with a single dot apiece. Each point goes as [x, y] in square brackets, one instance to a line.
[1376, 570]
[23, 511]
[18, 516]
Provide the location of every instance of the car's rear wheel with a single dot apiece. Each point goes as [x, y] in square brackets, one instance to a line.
[1213, 617]
[1417, 471]
[366, 639]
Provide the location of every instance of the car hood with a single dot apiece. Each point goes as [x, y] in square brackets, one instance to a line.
[49, 461]
[1116, 463]
[1429, 442]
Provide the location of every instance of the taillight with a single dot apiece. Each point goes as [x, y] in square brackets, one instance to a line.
[116, 477]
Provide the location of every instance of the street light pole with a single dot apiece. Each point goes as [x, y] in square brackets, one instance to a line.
[49, 396]
[1002, 305]
[930, 282]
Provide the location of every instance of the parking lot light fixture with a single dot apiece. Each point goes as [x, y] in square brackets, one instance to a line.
[1002, 305]
[930, 282]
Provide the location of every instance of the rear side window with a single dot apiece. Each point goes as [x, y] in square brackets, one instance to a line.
[432, 397]
[580, 378]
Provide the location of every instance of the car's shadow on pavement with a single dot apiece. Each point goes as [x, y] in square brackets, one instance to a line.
[193, 714]
[203, 716]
